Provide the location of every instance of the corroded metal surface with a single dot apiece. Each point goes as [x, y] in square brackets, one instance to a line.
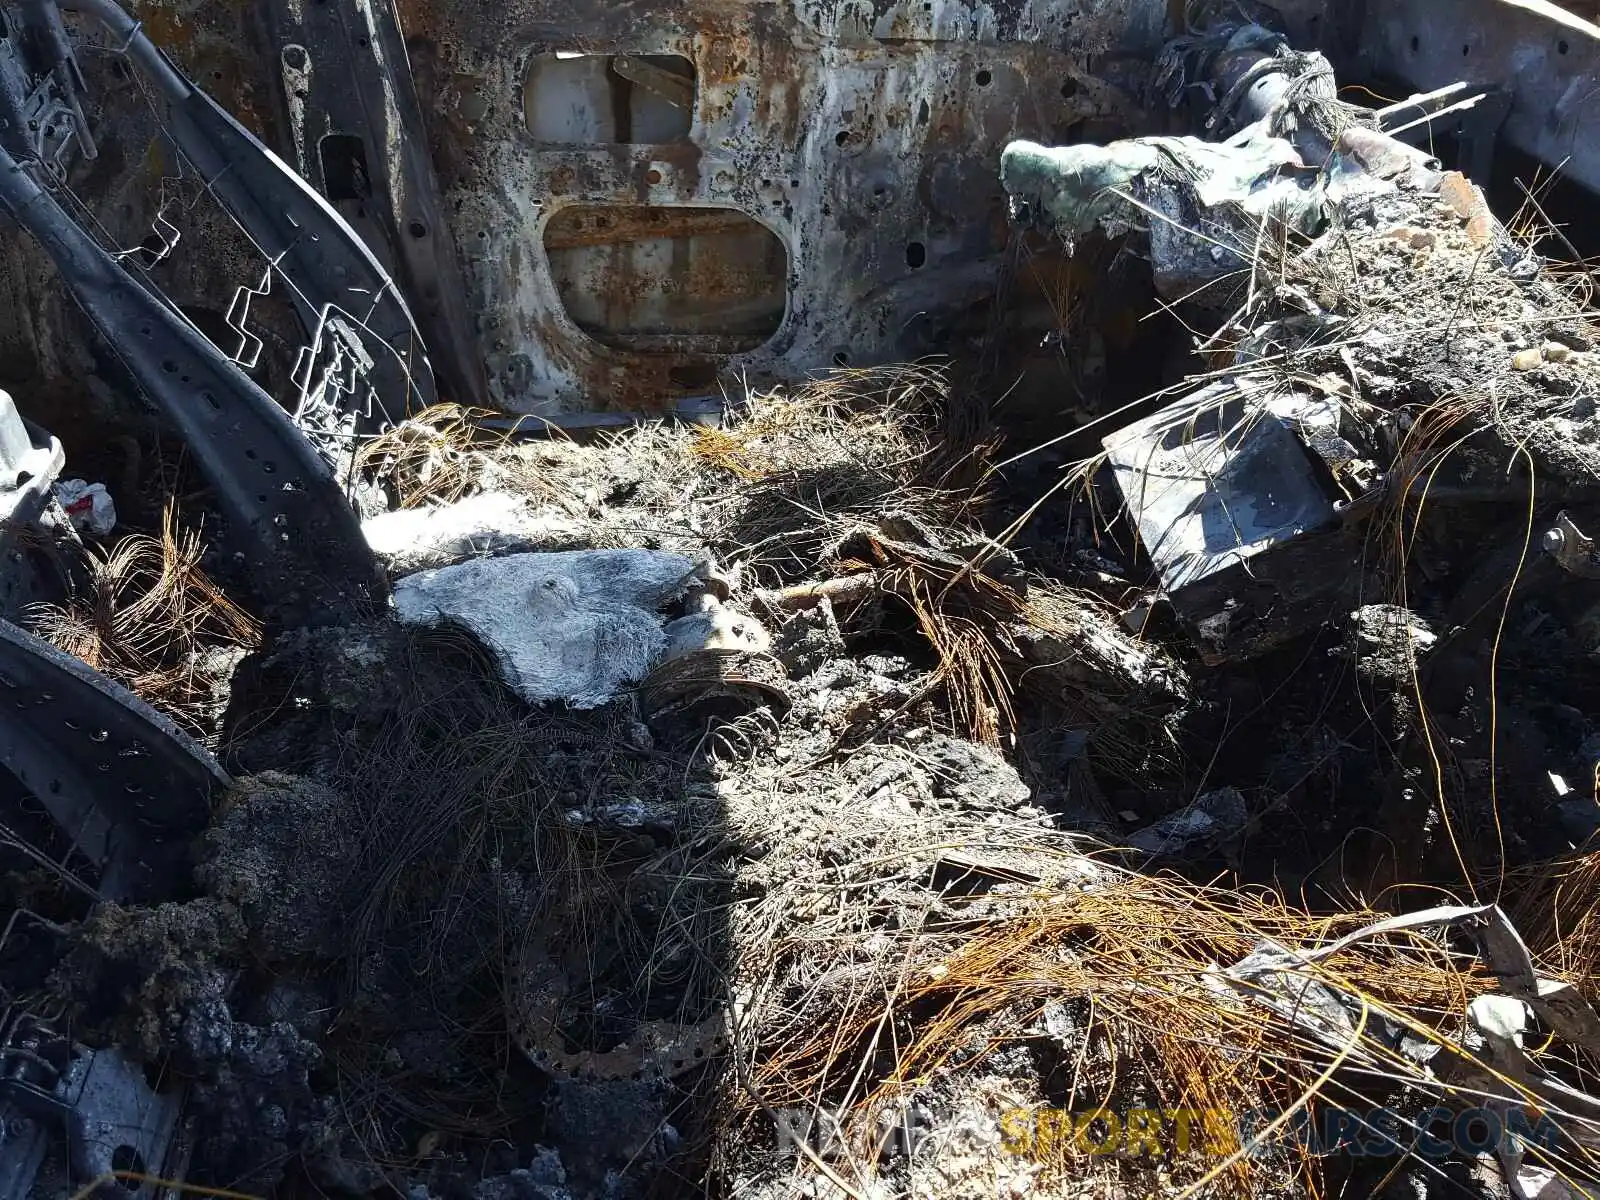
[864, 139]
[816, 181]
[653, 200]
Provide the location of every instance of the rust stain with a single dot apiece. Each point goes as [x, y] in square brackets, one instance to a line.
[665, 283]
[615, 225]
[164, 26]
[684, 159]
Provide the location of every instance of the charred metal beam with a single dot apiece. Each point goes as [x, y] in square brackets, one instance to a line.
[288, 519]
[124, 783]
[358, 132]
[330, 271]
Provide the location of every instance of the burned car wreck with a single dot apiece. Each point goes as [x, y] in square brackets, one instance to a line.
[854, 600]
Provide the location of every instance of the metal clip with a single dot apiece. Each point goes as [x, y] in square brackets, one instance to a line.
[1571, 549]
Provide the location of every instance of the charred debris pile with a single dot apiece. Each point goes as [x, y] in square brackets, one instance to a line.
[825, 799]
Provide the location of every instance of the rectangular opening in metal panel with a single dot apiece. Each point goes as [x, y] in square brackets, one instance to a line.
[671, 279]
[589, 99]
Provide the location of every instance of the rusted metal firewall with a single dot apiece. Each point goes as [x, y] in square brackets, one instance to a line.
[651, 199]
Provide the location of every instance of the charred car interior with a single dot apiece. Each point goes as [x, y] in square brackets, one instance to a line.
[778, 598]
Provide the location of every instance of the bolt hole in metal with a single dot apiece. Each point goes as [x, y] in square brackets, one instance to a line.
[984, 78]
[916, 255]
[126, 1158]
[417, 229]
[1562, 47]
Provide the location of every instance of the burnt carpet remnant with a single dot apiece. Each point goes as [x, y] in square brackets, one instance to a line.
[822, 601]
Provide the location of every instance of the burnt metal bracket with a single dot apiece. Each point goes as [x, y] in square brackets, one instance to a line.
[346, 75]
[1572, 549]
[109, 1118]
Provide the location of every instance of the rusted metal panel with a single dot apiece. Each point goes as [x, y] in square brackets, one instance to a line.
[865, 138]
[710, 279]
